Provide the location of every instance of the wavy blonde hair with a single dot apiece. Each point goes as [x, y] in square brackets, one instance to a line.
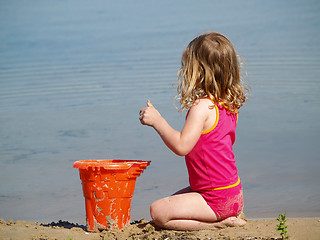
[210, 68]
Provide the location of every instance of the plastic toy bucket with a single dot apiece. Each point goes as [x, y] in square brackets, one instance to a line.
[108, 187]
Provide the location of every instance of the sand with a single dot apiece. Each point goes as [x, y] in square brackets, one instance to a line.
[298, 228]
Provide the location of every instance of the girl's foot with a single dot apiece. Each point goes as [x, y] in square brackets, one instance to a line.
[233, 222]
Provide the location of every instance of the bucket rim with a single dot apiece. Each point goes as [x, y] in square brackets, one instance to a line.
[109, 163]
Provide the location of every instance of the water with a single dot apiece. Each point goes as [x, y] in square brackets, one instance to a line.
[74, 75]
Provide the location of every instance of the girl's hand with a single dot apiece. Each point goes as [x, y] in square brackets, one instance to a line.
[149, 115]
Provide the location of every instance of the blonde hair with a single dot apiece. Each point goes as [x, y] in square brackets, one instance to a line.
[210, 68]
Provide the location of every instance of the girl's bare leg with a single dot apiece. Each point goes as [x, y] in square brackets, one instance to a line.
[188, 210]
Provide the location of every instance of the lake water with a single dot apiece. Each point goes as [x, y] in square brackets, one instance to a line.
[74, 75]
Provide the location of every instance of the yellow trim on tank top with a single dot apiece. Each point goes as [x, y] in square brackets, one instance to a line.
[217, 118]
[226, 187]
[216, 122]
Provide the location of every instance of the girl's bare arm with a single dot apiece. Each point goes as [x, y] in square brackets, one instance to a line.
[182, 142]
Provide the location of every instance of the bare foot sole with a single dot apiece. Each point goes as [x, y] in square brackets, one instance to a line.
[233, 222]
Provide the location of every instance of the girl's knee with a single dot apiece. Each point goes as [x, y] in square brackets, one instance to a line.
[158, 213]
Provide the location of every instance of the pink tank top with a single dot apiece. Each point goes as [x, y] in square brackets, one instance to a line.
[211, 162]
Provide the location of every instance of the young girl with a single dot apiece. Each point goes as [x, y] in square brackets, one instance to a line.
[210, 89]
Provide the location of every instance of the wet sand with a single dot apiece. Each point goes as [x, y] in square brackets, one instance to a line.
[298, 228]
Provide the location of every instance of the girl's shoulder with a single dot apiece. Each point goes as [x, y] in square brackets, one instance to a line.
[203, 102]
[206, 111]
[202, 106]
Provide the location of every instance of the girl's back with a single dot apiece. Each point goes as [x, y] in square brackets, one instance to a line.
[211, 162]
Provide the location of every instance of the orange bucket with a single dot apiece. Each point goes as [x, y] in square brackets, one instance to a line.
[108, 187]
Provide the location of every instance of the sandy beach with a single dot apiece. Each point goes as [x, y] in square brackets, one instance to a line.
[298, 228]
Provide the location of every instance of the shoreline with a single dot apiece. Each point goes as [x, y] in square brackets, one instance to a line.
[298, 228]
